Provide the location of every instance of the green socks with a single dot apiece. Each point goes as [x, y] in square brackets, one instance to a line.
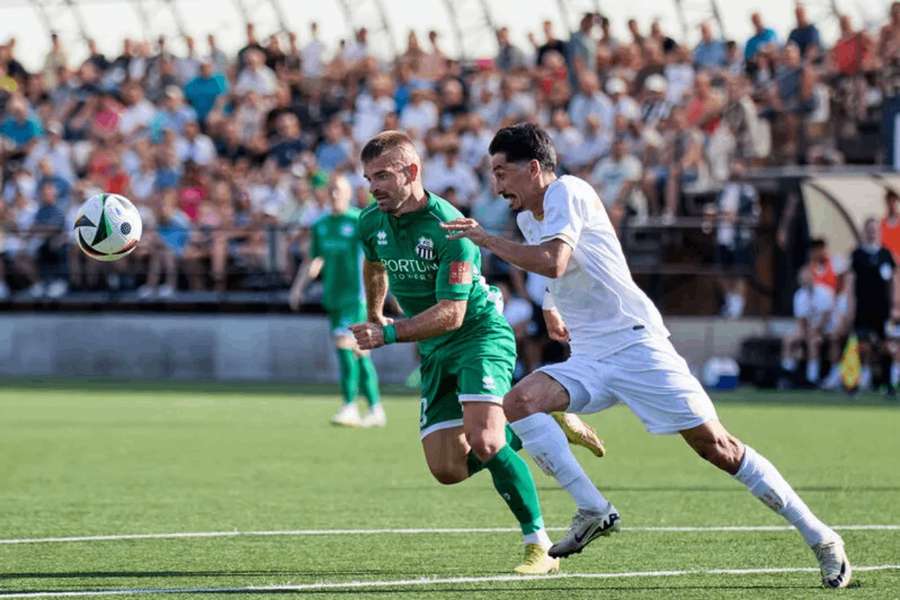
[369, 380]
[347, 363]
[512, 440]
[514, 483]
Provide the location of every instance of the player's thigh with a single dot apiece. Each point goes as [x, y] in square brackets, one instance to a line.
[577, 385]
[441, 421]
[538, 392]
[484, 376]
[654, 381]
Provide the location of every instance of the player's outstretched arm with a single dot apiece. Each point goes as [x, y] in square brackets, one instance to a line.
[443, 317]
[376, 283]
[308, 271]
[549, 259]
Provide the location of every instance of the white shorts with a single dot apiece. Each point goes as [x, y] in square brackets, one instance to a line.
[650, 377]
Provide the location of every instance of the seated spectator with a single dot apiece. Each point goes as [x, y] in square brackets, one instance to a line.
[823, 271]
[710, 52]
[336, 150]
[169, 235]
[762, 36]
[195, 147]
[287, 144]
[256, 76]
[174, 114]
[20, 127]
[617, 178]
[813, 304]
[203, 90]
[47, 243]
[420, 114]
[447, 171]
[806, 36]
[590, 101]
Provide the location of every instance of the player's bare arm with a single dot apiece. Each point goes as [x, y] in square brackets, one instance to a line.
[375, 280]
[308, 271]
[549, 259]
[443, 317]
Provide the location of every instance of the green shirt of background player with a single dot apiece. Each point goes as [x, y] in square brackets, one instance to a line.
[335, 253]
[468, 350]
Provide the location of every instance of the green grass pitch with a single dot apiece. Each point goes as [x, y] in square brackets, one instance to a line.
[108, 459]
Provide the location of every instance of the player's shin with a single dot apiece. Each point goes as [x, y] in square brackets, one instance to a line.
[547, 445]
[514, 483]
[369, 380]
[349, 372]
[766, 483]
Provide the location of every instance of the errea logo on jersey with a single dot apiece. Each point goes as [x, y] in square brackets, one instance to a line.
[425, 248]
[381, 238]
[488, 382]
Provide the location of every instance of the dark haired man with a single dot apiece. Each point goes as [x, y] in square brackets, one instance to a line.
[620, 348]
[468, 349]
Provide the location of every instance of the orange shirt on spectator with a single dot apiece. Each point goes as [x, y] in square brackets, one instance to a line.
[890, 236]
[823, 274]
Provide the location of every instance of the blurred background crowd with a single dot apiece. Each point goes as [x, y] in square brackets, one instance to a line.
[228, 157]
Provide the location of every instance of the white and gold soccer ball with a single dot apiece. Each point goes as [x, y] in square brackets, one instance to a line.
[108, 227]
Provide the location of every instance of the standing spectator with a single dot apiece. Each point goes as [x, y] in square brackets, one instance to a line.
[582, 48]
[203, 90]
[551, 44]
[890, 223]
[805, 35]
[256, 76]
[738, 212]
[313, 54]
[509, 57]
[763, 36]
[48, 243]
[813, 304]
[56, 58]
[873, 278]
[215, 56]
[251, 46]
[187, 67]
[679, 75]
[854, 50]
[710, 52]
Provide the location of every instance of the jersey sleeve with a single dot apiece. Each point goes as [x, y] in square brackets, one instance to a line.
[456, 271]
[366, 241]
[562, 218]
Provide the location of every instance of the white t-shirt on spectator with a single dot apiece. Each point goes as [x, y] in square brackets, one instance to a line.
[438, 176]
[610, 175]
[135, 117]
[59, 156]
[601, 305]
[473, 146]
[599, 105]
[814, 304]
[201, 150]
[628, 107]
[420, 117]
[568, 142]
[312, 56]
[262, 81]
[680, 77]
[369, 116]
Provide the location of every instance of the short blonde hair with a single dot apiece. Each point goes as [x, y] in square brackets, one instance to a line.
[389, 141]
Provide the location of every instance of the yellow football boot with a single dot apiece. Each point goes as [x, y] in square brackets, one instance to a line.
[579, 433]
[537, 562]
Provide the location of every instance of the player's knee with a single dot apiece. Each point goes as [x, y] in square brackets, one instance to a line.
[485, 447]
[520, 403]
[447, 474]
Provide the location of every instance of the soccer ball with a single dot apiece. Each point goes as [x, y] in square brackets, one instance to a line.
[107, 227]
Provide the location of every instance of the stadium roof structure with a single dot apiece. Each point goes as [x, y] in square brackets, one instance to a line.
[468, 24]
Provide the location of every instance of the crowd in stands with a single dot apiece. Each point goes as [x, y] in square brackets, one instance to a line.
[228, 156]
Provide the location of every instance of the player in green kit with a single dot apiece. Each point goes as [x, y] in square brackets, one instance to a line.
[335, 252]
[468, 350]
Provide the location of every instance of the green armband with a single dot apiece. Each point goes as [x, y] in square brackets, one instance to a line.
[390, 334]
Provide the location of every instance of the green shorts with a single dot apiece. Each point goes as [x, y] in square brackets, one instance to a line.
[475, 371]
[343, 317]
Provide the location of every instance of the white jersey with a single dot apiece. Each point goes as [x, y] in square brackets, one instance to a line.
[597, 298]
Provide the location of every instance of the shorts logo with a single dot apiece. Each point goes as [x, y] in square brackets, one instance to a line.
[425, 248]
[381, 238]
[488, 382]
[460, 272]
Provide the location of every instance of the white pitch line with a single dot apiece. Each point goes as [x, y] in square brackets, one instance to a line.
[408, 531]
[425, 581]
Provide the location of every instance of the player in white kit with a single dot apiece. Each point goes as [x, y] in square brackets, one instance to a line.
[620, 349]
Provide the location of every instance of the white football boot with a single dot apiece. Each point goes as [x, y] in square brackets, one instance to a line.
[586, 527]
[833, 563]
[375, 417]
[347, 416]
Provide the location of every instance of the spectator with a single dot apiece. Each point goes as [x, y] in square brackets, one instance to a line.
[195, 147]
[419, 115]
[836, 332]
[581, 52]
[313, 54]
[762, 36]
[204, 90]
[854, 50]
[55, 150]
[56, 58]
[287, 145]
[173, 115]
[873, 278]
[48, 244]
[617, 178]
[20, 127]
[251, 46]
[256, 76]
[820, 264]
[738, 212]
[813, 304]
[551, 43]
[336, 150]
[805, 35]
[890, 223]
[655, 107]
[215, 56]
[448, 171]
[710, 52]
[590, 101]
[509, 57]
[138, 113]
[623, 104]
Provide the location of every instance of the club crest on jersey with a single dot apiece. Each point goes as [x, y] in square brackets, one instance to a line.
[425, 248]
[381, 238]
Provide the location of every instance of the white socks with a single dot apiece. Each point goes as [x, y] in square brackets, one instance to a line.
[766, 483]
[812, 371]
[539, 537]
[548, 447]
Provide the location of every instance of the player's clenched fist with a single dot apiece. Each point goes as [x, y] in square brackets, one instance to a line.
[368, 335]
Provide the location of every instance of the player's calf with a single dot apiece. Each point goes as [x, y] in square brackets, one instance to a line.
[714, 444]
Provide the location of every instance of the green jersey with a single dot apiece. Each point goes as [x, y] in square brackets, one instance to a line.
[424, 267]
[335, 238]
